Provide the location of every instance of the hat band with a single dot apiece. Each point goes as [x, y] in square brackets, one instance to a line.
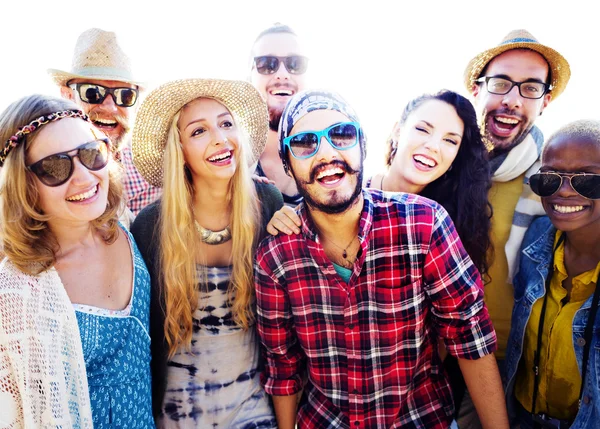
[520, 40]
[107, 73]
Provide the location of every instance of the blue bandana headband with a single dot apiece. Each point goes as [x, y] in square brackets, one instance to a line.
[305, 102]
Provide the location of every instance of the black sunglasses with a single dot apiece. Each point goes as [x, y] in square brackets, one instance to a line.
[269, 64]
[548, 183]
[54, 170]
[95, 94]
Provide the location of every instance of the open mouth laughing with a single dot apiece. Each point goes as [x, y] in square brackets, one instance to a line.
[83, 196]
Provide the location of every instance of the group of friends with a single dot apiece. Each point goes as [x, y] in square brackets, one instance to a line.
[210, 254]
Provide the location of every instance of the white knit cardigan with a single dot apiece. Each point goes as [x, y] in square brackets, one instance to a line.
[43, 382]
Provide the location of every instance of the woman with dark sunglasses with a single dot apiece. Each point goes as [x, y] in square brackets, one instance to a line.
[553, 360]
[75, 292]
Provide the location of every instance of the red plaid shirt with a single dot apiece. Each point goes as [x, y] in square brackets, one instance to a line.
[371, 345]
[138, 192]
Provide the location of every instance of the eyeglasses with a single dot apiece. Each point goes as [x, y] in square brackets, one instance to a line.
[342, 136]
[547, 183]
[527, 89]
[95, 94]
[54, 170]
[269, 64]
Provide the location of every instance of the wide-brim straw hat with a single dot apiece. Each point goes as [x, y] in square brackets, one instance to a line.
[156, 113]
[97, 56]
[521, 39]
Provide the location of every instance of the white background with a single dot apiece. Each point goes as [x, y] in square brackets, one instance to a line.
[376, 54]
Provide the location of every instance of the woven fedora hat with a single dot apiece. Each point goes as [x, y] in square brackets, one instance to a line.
[97, 55]
[522, 39]
[156, 114]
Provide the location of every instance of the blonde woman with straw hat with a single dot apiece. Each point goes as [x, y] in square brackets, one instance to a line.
[74, 290]
[197, 138]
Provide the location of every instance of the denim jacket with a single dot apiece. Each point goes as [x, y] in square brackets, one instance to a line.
[530, 285]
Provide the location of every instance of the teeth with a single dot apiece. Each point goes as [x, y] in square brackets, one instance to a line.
[426, 161]
[567, 209]
[282, 92]
[105, 121]
[84, 196]
[507, 120]
[330, 172]
[220, 156]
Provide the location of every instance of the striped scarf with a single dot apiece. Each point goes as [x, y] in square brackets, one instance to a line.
[523, 158]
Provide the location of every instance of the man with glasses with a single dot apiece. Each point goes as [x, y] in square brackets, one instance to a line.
[512, 84]
[101, 83]
[278, 67]
[360, 296]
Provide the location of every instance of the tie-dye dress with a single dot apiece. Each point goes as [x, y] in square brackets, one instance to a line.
[216, 383]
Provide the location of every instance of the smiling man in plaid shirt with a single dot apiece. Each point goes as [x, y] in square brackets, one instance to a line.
[359, 298]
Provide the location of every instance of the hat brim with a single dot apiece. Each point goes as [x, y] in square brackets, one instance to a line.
[559, 67]
[61, 78]
[156, 113]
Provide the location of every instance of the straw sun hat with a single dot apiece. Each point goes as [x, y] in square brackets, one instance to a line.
[521, 39]
[97, 56]
[156, 113]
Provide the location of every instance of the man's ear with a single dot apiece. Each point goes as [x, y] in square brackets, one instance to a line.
[475, 90]
[66, 92]
[547, 99]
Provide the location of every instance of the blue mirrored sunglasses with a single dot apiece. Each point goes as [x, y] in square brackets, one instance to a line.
[342, 136]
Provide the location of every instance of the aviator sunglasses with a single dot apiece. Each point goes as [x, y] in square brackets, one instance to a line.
[54, 170]
[269, 64]
[548, 183]
[95, 94]
[342, 136]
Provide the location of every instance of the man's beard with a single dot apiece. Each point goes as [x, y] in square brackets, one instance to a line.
[494, 145]
[339, 206]
[119, 141]
[274, 118]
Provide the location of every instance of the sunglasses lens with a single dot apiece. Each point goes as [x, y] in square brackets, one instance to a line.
[343, 136]
[94, 155]
[587, 186]
[266, 65]
[93, 94]
[125, 96]
[304, 145]
[545, 184]
[53, 170]
[296, 64]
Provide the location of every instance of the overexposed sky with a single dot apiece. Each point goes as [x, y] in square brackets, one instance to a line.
[377, 54]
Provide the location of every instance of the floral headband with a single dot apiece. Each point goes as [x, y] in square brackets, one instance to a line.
[34, 125]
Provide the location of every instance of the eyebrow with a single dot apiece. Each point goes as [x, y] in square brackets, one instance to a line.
[195, 121]
[529, 79]
[431, 126]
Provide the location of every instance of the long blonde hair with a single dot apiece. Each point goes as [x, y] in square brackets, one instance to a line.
[26, 239]
[178, 236]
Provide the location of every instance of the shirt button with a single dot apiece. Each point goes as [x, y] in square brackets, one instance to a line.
[351, 326]
[357, 423]
[586, 399]
[355, 391]
[581, 342]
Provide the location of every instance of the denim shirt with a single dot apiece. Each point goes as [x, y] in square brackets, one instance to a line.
[530, 285]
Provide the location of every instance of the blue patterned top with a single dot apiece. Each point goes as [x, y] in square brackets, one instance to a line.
[116, 348]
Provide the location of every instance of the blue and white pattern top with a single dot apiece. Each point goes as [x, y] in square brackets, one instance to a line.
[116, 348]
[215, 384]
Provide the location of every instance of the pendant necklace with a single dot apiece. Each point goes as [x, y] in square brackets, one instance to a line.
[344, 249]
[213, 237]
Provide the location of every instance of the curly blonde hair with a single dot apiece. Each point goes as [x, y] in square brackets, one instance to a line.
[25, 237]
